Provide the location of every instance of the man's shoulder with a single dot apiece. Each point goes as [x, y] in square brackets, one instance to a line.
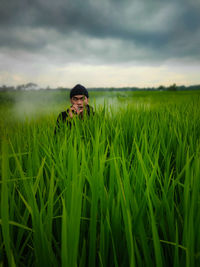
[90, 110]
[89, 106]
[63, 115]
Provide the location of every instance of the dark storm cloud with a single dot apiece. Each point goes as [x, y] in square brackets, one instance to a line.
[102, 31]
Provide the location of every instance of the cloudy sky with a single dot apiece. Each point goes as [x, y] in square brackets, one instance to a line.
[100, 42]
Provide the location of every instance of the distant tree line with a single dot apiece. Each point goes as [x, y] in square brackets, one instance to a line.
[33, 86]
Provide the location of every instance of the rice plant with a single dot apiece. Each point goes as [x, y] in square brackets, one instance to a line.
[121, 188]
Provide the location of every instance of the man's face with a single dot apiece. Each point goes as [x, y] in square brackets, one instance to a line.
[79, 101]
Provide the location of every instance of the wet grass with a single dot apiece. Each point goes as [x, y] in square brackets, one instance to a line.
[121, 188]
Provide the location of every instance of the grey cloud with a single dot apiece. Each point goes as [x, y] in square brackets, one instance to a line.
[102, 31]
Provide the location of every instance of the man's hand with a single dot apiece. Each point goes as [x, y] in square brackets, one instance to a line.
[75, 110]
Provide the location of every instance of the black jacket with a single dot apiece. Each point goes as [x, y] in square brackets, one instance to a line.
[64, 117]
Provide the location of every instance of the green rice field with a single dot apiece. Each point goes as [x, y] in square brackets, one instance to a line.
[121, 188]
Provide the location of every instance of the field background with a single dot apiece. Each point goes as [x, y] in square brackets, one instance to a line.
[19, 105]
[122, 188]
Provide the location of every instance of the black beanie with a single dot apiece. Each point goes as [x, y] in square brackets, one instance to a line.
[79, 90]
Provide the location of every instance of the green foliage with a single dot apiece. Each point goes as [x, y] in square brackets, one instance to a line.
[121, 188]
[172, 87]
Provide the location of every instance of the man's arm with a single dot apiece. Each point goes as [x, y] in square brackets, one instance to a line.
[63, 117]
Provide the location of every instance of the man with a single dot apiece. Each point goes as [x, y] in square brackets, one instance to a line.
[80, 108]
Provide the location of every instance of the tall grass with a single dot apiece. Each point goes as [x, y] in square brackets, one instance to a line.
[118, 189]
